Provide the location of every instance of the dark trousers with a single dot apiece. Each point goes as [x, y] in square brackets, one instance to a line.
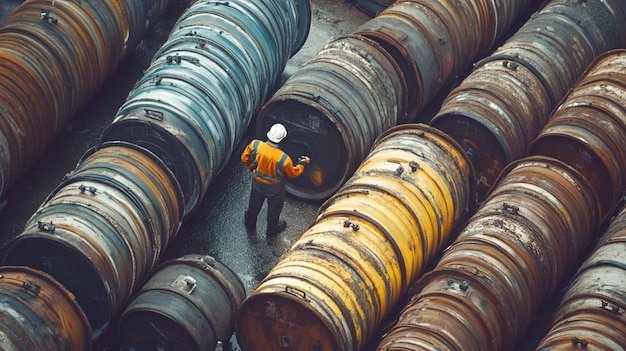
[275, 195]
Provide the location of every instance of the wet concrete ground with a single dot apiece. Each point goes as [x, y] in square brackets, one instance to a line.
[216, 227]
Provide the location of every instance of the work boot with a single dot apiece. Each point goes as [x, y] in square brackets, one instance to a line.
[277, 229]
[250, 224]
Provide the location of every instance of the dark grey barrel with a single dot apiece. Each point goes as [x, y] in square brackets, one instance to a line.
[189, 303]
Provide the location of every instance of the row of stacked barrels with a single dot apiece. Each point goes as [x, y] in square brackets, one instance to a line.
[55, 56]
[113, 215]
[536, 225]
[100, 233]
[545, 180]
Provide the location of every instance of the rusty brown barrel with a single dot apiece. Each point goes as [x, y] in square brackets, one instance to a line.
[505, 102]
[428, 41]
[38, 313]
[591, 315]
[54, 56]
[508, 258]
[330, 113]
[433, 41]
[188, 303]
[102, 229]
[588, 128]
[338, 282]
[196, 99]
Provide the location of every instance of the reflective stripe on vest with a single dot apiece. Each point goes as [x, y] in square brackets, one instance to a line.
[279, 167]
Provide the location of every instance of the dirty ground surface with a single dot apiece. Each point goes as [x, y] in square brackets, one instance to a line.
[216, 227]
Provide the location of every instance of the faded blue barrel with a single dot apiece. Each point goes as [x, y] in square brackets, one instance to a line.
[54, 56]
[197, 98]
[102, 229]
[503, 104]
[38, 313]
[188, 303]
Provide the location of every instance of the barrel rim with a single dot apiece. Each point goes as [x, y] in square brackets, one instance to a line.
[61, 242]
[283, 295]
[265, 119]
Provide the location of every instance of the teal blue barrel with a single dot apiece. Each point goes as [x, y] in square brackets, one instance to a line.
[197, 97]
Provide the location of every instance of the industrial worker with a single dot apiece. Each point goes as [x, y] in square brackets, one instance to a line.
[270, 167]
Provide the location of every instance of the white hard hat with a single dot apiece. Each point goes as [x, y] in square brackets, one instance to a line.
[277, 133]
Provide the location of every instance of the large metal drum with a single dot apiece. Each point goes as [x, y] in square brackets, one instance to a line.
[203, 86]
[504, 103]
[38, 313]
[54, 56]
[588, 128]
[189, 303]
[591, 313]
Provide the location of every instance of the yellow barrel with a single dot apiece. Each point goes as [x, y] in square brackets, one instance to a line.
[507, 260]
[371, 239]
[588, 129]
[591, 315]
[38, 313]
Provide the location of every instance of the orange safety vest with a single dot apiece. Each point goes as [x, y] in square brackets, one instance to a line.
[269, 163]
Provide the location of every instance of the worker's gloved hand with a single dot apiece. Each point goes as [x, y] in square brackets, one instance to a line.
[304, 160]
